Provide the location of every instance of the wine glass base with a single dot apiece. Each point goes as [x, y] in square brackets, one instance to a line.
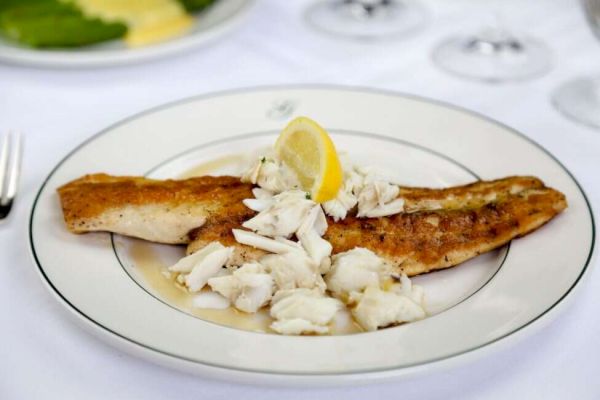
[349, 20]
[579, 100]
[509, 60]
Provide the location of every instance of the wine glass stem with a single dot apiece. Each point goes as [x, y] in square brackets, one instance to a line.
[493, 46]
[364, 8]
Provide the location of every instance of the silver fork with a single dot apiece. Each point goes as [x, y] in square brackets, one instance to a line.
[10, 166]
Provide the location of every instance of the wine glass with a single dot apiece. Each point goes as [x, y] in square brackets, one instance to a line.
[366, 19]
[493, 54]
[579, 98]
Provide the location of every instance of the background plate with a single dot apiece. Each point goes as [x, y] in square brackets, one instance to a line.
[216, 21]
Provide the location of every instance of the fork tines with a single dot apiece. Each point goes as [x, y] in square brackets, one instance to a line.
[10, 164]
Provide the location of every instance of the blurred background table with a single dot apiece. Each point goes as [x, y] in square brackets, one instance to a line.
[44, 355]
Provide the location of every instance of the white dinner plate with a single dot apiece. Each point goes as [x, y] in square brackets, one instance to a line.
[210, 24]
[477, 307]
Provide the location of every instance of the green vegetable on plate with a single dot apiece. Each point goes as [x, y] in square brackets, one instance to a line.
[61, 24]
[50, 23]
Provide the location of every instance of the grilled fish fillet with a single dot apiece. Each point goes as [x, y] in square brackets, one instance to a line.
[440, 228]
[158, 211]
[424, 241]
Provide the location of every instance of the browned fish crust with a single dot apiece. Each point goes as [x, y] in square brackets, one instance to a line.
[472, 195]
[169, 209]
[440, 228]
[443, 227]
[429, 240]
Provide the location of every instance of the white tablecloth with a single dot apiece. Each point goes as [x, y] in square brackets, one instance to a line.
[44, 355]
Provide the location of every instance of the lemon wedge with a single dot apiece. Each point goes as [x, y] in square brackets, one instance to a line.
[307, 149]
[159, 31]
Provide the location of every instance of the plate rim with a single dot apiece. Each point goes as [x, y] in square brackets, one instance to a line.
[240, 374]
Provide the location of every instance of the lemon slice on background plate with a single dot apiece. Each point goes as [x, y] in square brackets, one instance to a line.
[148, 21]
[307, 149]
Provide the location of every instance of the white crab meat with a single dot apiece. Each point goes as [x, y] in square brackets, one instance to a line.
[302, 304]
[262, 200]
[338, 208]
[271, 175]
[293, 270]
[314, 220]
[207, 268]
[257, 205]
[298, 326]
[249, 287]
[186, 264]
[353, 271]
[262, 194]
[346, 198]
[406, 288]
[377, 309]
[250, 175]
[212, 300]
[283, 216]
[277, 245]
[379, 199]
[194, 270]
[317, 248]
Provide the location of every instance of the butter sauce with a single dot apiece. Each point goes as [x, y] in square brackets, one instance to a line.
[153, 272]
[214, 166]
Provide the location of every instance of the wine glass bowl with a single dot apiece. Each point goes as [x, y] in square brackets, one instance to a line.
[579, 98]
[366, 19]
[493, 55]
[592, 12]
